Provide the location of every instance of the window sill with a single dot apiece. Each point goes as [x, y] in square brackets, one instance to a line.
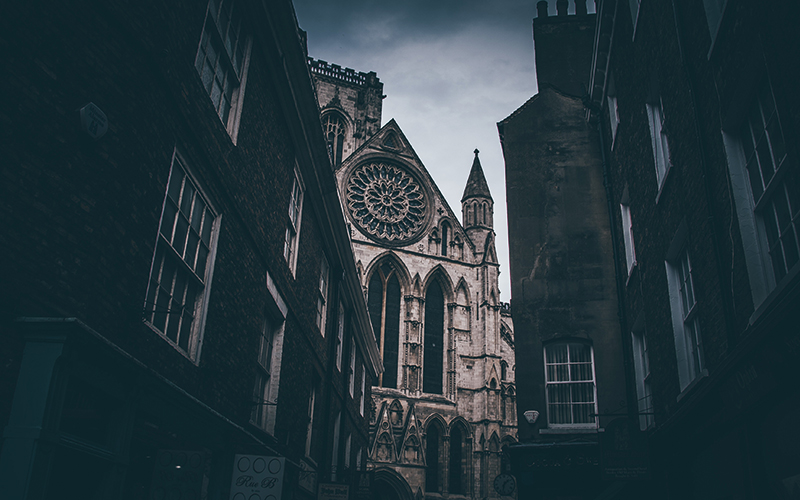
[663, 182]
[630, 273]
[171, 343]
[567, 430]
[775, 295]
[694, 383]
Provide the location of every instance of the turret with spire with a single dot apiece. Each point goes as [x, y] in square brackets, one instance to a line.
[477, 205]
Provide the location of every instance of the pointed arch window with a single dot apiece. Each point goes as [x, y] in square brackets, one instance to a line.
[445, 236]
[334, 136]
[434, 339]
[456, 483]
[433, 445]
[383, 302]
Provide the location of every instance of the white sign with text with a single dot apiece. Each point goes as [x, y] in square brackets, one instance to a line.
[256, 477]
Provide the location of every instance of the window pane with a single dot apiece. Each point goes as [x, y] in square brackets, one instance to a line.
[191, 249]
[202, 257]
[582, 371]
[776, 140]
[755, 179]
[168, 220]
[557, 353]
[580, 353]
[181, 227]
[765, 160]
[175, 182]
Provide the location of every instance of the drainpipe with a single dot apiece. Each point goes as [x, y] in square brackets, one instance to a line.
[627, 356]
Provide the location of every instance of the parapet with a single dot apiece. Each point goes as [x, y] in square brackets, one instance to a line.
[345, 75]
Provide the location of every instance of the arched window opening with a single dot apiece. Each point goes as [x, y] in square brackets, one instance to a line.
[432, 458]
[503, 370]
[477, 213]
[445, 231]
[383, 302]
[334, 135]
[434, 336]
[455, 485]
[484, 213]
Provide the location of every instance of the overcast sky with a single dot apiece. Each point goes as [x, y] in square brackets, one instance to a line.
[451, 70]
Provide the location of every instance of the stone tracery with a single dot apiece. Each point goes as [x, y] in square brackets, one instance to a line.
[386, 202]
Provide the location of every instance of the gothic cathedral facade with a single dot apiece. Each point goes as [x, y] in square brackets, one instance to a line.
[445, 406]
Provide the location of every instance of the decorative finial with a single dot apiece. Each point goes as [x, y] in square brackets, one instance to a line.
[476, 151]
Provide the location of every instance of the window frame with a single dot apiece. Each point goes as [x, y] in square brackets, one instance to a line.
[294, 221]
[363, 402]
[582, 425]
[210, 35]
[658, 138]
[194, 345]
[312, 398]
[613, 107]
[627, 231]
[351, 374]
[265, 397]
[339, 131]
[643, 376]
[684, 311]
[322, 294]
[339, 336]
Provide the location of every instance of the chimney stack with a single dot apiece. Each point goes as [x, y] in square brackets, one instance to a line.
[561, 7]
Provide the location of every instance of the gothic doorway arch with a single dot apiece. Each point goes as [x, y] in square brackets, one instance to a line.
[389, 485]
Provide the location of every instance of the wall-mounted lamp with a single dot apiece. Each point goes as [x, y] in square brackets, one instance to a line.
[531, 416]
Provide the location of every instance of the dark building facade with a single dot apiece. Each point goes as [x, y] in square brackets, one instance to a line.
[691, 119]
[570, 375]
[178, 284]
[698, 112]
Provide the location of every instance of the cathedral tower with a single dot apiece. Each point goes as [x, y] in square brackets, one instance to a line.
[444, 408]
[350, 105]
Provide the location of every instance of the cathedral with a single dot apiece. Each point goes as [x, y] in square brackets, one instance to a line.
[445, 406]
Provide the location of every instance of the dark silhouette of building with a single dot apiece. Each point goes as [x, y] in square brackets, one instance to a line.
[691, 118]
[177, 282]
[571, 382]
[698, 112]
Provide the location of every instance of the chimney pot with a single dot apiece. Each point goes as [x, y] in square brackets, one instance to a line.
[580, 7]
[541, 8]
[561, 7]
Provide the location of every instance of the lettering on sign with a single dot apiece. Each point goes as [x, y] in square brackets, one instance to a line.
[333, 492]
[257, 477]
[93, 121]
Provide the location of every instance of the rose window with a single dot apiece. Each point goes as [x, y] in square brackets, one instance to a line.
[386, 202]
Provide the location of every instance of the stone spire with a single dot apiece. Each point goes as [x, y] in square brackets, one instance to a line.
[476, 184]
[477, 206]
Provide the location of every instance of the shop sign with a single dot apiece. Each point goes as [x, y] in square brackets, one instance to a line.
[93, 121]
[307, 477]
[257, 477]
[624, 451]
[333, 492]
